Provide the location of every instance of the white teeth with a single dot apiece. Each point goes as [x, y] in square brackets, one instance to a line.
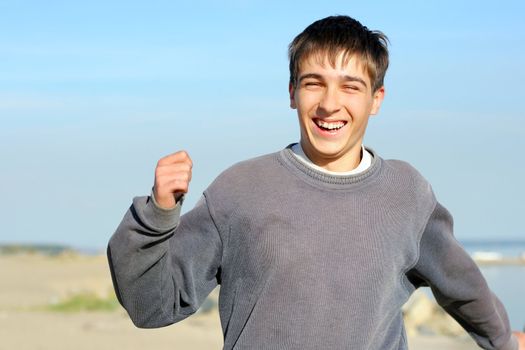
[330, 126]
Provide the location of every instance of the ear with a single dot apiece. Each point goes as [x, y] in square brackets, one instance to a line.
[378, 97]
[291, 91]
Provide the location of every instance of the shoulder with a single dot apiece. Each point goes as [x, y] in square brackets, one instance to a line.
[245, 175]
[242, 185]
[253, 164]
[257, 167]
[403, 178]
[401, 169]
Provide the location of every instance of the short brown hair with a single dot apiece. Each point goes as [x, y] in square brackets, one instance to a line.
[335, 34]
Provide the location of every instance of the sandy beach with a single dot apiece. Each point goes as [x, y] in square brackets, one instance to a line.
[31, 284]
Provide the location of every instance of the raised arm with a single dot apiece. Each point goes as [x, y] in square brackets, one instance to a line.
[163, 266]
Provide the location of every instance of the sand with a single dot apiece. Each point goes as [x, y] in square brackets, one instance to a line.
[30, 282]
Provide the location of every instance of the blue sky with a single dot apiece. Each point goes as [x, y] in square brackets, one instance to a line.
[92, 94]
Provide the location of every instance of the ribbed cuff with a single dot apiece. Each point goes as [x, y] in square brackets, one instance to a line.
[178, 200]
[162, 219]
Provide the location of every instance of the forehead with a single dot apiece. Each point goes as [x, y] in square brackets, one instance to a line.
[341, 62]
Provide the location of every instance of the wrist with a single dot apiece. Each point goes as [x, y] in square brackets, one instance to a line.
[178, 199]
[168, 204]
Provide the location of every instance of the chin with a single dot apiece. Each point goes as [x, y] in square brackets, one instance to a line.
[329, 151]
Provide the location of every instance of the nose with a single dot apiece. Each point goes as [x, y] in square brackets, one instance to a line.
[329, 102]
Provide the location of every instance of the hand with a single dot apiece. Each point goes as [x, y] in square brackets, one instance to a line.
[521, 340]
[172, 178]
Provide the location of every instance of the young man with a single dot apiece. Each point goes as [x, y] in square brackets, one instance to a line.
[316, 246]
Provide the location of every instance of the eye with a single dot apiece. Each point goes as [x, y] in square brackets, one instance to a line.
[351, 87]
[312, 84]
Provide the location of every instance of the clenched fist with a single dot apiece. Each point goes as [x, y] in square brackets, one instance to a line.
[172, 178]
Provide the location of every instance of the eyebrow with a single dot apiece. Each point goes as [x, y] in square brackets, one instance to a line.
[344, 78]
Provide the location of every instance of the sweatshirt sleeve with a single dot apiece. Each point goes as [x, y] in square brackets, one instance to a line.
[458, 285]
[162, 265]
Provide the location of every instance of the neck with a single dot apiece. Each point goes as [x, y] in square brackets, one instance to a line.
[337, 163]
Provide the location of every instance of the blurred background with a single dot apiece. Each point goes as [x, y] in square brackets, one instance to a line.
[92, 94]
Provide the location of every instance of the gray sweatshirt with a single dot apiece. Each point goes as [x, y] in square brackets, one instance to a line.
[305, 260]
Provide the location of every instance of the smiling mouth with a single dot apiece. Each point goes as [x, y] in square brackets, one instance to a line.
[330, 126]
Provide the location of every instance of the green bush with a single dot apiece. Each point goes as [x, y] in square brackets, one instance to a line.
[85, 302]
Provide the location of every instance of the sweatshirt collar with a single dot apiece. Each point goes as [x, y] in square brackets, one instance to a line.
[364, 164]
[321, 178]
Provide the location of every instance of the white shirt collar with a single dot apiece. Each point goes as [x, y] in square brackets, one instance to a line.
[364, 164]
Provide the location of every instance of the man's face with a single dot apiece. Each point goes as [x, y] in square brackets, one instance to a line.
[333, 105]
